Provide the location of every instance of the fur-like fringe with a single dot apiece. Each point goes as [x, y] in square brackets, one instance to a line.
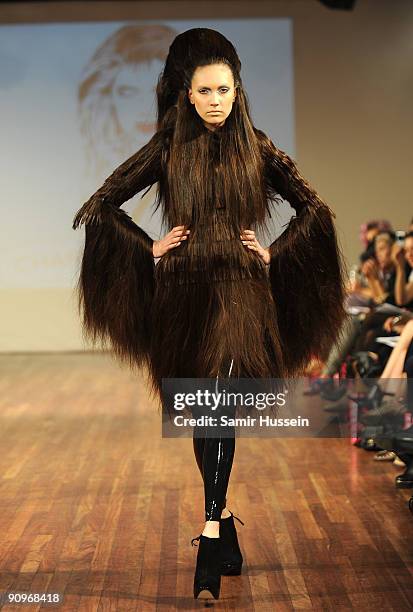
[210, 300]
[91, 212]
[140, 170]
[116, 282]
[306, 281]
[198, 328]
[307, 268]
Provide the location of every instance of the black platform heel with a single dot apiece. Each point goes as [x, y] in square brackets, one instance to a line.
[207, 579]
[231, 556]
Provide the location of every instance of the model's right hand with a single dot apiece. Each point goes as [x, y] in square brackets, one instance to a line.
[171, 240]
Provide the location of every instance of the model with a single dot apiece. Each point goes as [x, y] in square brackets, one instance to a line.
[217, 303]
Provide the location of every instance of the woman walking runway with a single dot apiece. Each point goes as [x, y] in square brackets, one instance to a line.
[217, 303]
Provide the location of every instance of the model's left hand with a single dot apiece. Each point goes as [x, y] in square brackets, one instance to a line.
[248, 238]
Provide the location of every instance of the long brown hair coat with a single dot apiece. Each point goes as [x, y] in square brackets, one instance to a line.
[210, 300]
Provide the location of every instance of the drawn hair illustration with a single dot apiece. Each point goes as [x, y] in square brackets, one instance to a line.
[100, 123]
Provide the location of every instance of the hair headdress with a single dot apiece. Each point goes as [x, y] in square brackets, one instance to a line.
[193, 48]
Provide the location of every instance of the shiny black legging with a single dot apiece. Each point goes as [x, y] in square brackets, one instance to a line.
[214, 456]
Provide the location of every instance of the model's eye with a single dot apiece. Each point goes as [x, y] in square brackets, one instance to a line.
[221, 90]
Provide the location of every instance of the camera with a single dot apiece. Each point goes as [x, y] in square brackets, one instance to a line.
[400, 236]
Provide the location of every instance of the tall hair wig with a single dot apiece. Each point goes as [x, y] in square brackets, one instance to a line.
[211, 299]
[191, 146]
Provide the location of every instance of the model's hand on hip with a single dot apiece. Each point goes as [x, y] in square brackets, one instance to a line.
[248, 238]
[171, 240]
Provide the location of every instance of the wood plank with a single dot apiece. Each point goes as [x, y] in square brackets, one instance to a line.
[94, 504]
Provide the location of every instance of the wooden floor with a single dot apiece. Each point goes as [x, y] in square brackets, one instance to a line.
[96, 505]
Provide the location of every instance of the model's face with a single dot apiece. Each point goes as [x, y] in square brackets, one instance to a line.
[213, 93]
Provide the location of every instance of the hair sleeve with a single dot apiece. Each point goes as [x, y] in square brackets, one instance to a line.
[306, 271]
[116, 279]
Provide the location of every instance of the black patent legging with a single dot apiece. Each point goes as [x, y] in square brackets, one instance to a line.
[214, 457]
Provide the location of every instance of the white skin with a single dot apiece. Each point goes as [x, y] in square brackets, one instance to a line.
[213, 93]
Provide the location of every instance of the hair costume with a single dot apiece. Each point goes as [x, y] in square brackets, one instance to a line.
[211, 299]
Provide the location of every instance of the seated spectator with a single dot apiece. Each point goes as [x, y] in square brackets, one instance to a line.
[368, 233]
[359, 292]
[379, 270]
[401, 296]
[389, 278]
[402, 256]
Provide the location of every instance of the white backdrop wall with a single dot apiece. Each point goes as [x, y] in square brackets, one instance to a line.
[350, 130]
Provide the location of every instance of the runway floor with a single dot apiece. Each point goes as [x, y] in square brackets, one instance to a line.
[97, 506]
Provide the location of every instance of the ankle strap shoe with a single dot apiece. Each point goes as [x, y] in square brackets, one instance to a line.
[231, 556]
[207, 579]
